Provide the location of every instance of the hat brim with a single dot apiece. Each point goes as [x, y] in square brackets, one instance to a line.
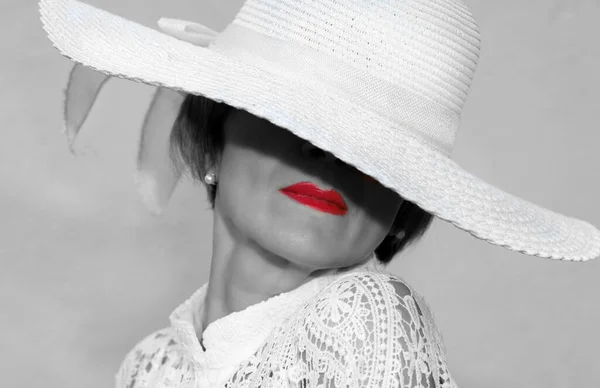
[122, 48]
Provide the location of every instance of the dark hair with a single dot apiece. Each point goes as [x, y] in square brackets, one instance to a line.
[197, 139]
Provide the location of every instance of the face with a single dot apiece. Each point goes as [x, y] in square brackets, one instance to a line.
[260, 158]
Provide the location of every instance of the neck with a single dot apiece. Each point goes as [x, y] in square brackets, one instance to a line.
[243, 273]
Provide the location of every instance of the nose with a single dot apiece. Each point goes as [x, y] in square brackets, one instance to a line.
[312, 152]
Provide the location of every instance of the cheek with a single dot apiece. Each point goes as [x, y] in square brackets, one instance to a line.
[372, 231]
[380, 209]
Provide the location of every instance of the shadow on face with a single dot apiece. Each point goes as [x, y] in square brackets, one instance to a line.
[259, 158]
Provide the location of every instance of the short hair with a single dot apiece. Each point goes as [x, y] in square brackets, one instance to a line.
[197, 139]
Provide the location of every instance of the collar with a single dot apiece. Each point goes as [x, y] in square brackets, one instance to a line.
[234, 338]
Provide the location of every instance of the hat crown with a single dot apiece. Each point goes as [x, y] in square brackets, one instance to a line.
[428, 47]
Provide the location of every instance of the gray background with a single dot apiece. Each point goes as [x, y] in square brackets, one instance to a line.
[86, 272]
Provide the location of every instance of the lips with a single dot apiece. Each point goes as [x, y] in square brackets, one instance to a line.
[310, 194]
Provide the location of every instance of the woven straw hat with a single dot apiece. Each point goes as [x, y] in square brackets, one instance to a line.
[379, 83]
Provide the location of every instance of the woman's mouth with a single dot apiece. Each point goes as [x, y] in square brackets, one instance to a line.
[311, 195]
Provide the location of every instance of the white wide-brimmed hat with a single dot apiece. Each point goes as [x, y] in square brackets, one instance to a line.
[379, 84]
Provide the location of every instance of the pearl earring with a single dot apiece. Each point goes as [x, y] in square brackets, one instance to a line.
[210, 178]
[400, 235]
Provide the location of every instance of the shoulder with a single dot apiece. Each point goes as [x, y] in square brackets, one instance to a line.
[375, 320]
[145, 360]
[378, 284]
[376, 293]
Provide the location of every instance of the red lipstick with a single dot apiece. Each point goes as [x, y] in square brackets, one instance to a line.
[309, 194]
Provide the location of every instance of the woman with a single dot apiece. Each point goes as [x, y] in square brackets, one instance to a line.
[323, 132]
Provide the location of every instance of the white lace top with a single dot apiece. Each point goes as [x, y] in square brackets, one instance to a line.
[361, 328]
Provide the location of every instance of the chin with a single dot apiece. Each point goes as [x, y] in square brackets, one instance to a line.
[304, 242]
[321, 259]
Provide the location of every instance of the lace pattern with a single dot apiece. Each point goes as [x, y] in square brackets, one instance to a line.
[156, 362]
[366, 329]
